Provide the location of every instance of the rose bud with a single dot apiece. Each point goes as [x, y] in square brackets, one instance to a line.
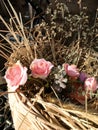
[40, 68]
[15, 76]
[91, 84]
[71, 70]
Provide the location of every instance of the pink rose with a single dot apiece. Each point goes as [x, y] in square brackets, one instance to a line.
[16, 75]
[40, 68]
[91, 84]
[71, 70]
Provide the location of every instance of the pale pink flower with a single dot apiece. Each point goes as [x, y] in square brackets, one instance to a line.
[41, 68]
[71, 70]
[15, 76]
[91, 84]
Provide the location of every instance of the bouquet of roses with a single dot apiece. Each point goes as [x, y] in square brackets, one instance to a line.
[17, 75]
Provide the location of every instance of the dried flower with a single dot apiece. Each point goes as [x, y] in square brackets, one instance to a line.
[60, 77]
[15, 76]
[41, 68]
[91, 84]
[71, 70]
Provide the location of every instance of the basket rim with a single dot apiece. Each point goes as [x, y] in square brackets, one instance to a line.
[66, 114]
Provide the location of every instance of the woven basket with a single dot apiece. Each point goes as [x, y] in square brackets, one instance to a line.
[41, 115]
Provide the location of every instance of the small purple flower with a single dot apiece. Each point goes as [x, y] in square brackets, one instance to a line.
[82, 76]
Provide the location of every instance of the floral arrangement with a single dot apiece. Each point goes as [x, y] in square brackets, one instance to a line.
[60, 78]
